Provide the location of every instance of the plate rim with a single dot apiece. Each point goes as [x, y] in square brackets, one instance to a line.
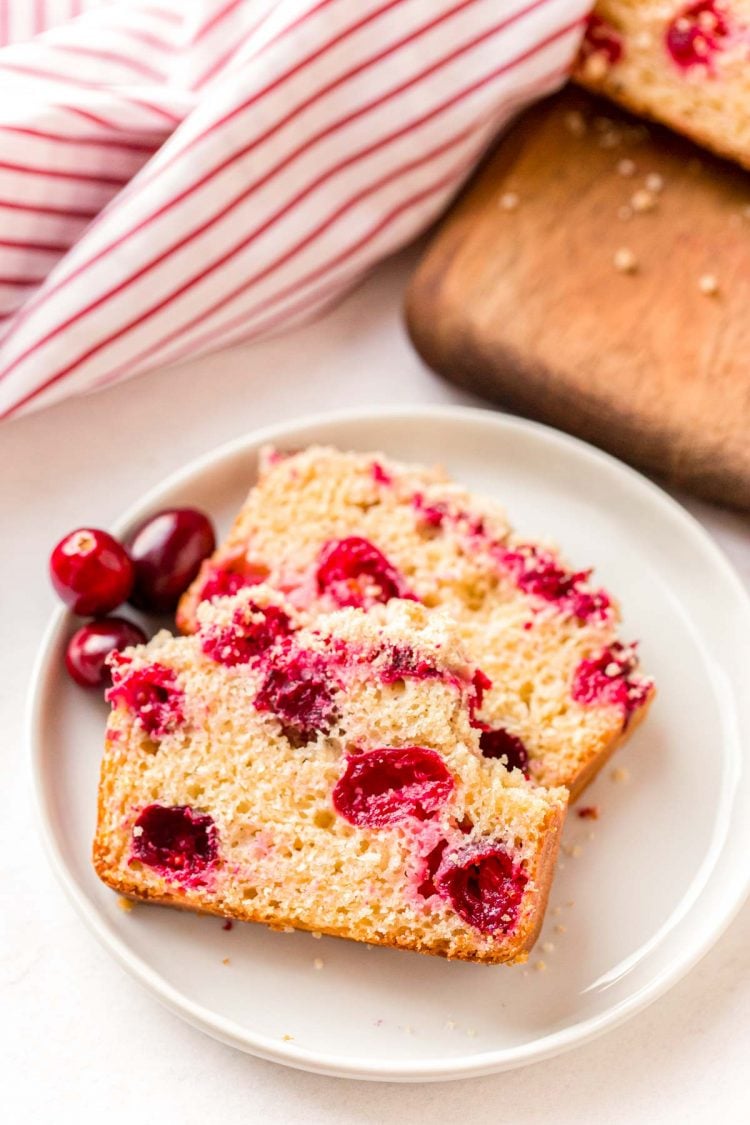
[287, 1053]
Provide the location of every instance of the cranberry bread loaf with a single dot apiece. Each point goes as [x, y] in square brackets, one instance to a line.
[327, 778]
[684, 64]
[333, 529]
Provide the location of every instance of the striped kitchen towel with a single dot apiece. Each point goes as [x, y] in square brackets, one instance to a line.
[181, 175]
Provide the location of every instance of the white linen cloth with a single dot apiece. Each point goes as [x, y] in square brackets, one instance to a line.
[179, 176]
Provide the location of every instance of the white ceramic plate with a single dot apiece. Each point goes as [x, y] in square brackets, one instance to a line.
[652, 883]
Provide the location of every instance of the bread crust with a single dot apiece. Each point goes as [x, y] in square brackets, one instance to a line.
[643, 108]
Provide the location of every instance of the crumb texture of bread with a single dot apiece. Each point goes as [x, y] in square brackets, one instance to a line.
[331, 529]
[683, 64]
[324, 775]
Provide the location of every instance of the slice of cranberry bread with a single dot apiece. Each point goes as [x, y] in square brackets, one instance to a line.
[331, 529]
[685, 64]
[326, 777]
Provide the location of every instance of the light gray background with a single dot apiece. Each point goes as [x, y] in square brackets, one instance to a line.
[79, 1040]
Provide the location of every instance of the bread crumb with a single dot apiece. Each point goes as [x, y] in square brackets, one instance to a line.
[557, 910]
[315, 934]
[620, 775]
[643, 200]
[471, 1032]
[540, 966]
[509, 201]
[575, 123]
[626, 167]
[625, 260]
[570, 902]
[287, 1038]
[596, 66]
[225, 961]
[576, 851]
[588, 812]
[408, 1029]
[708, 285]
[560, 929]
[548, 947]
[654, 182]
[318, 963]
[450, 1025]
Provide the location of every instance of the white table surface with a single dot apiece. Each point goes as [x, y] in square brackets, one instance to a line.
[79, 1040]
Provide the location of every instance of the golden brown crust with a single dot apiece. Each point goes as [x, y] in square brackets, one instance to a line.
[685, 126]
[599, 760]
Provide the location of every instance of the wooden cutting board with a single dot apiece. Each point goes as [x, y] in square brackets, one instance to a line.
[596, 276]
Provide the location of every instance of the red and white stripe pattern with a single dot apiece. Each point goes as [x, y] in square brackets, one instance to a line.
[180, 177]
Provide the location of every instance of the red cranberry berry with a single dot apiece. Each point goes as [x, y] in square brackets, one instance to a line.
[383, 786]
[697, 33]
[501, 743]
[380, 474]
[91, 571]
[88, 649]
[226, 580]
[152, 694]
[251, 631]
[167, 551]
[606, 679]
[298, 692]
[355, 573]
[484, 886]
[540, 575]
[175, 840]
[480, 684]
[602, 39]
[429, 515]
[432, 862]
[404, 663]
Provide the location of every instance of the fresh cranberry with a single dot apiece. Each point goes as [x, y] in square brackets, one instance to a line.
[602, 39]
[501, 743]
[355, 573]
[539, 574]
[380, 787]
[88, 649]
[297, 690]
[167, 551]
[226, 580]
[91, 571]
[697, 33]
[251, 631]
[484, 886]
[606, 679]
[175, 840]
[431, 864]
[151, 693]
